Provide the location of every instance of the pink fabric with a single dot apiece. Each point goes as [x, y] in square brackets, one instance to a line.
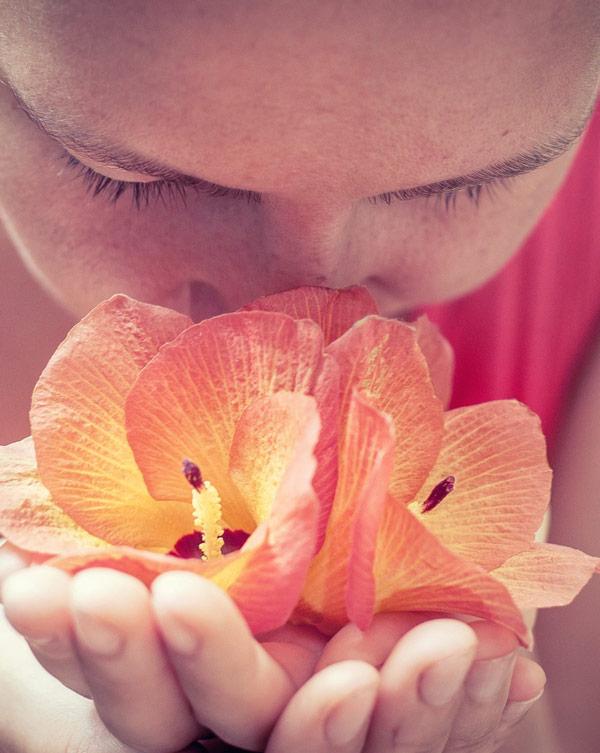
[523, 333]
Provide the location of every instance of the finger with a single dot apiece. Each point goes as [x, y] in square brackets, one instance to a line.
[133, 687]
[486, 690]
[330, 713]
[421, 686]
[526, 688]
[11, 560]
[36, 602]
[234, 686]
[296, 648]
[375, 644]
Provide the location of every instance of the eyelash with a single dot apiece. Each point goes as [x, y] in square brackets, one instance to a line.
[97, 184]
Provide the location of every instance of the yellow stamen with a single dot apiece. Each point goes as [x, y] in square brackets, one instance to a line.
[208, 519]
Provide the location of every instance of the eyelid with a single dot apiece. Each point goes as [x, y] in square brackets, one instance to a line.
[98, 183]
[113, 188]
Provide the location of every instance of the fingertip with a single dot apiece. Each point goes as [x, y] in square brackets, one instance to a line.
[104, 591]
[528, 680]
[11, 560]
[188, 593]
[493, 640]
[35, 600]
[444, 635]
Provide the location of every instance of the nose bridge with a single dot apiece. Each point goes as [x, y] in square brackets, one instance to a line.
[309, 238]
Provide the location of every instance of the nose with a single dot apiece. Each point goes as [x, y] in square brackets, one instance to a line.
[309, 242]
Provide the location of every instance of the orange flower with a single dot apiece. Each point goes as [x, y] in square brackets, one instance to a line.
[297, 453]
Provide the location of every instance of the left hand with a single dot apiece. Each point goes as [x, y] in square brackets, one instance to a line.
[377, 685]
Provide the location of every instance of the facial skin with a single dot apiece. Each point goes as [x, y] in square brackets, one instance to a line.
[315, 105]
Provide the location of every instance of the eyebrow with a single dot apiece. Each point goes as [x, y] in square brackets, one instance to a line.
[109, 155]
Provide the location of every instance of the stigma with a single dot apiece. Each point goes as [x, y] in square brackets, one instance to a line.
[207, 511]
[438, 493]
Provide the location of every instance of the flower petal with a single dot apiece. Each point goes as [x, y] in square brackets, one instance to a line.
[546, 575]
[265, 577]
[264, 442]
[327, 391]
[78, 427]
[414, 572]
[187, 401]
[367, 449]
[497, 453]
[334, 311]
[28, 517]
[382, 359]
[439, 355]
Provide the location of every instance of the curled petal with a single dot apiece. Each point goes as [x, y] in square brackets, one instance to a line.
[497, 453]
[367, 451]
[439, 356]
[382, 359]
[265, 576]
[327, 392]
[335, 311]
[546, 575]
[78, 424]
[187, 401]
[413, 571]
[28, 517]
[265, 441]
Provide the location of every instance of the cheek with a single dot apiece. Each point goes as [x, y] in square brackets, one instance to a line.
[437, 255]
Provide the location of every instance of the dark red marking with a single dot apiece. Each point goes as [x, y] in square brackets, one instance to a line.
[438, 493]
[188, 546]
[192, 474]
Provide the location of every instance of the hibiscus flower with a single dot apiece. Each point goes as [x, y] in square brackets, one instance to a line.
[298, 453]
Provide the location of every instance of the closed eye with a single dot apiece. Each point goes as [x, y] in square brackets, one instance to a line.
[145, 193]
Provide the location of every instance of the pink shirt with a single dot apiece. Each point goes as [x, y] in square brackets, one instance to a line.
[523, 333]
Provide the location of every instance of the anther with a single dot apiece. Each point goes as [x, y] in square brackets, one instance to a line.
[438, 493]
[192, 474]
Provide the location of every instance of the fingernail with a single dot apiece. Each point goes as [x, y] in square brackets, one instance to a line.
[441, 682]
[51, 645]
[97, 636]
[179, 637]
[516, 709]
[488, 677]
[350, 717]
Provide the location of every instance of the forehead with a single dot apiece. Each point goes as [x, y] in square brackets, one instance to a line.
[275, 96]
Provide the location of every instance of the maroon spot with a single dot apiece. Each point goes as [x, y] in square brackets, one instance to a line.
[192, 474]
[438, 493]
[188, 546]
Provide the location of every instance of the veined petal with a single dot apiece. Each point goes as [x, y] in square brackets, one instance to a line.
[335, 311]
[497, 453]
[327, 395]
[265, 441]
[28, 517]
[265, 576]
[367, 449]
[439, 356]
[382, 359]
[187, 401]
[415, 572]
[78, 426]
[546, 575]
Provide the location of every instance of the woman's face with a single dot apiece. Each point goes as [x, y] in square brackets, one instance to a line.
[311, 107]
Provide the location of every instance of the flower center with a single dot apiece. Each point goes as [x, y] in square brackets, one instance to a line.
[438, 493]
[207, 510]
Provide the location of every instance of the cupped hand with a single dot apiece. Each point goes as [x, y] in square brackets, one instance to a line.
[158, 690]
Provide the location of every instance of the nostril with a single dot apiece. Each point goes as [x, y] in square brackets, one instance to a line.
[205, 301]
